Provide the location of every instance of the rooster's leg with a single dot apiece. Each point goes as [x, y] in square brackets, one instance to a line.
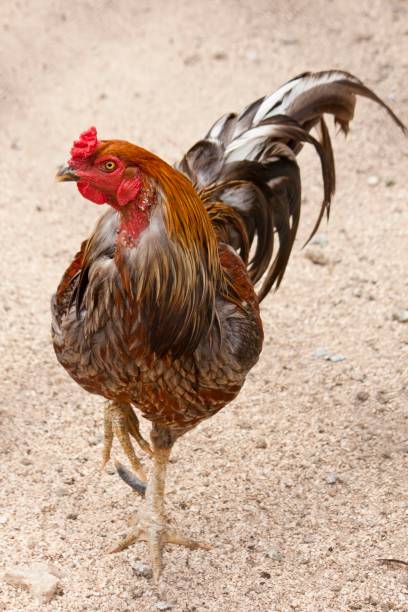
[152, 526]
[156, 524]
[120, 421]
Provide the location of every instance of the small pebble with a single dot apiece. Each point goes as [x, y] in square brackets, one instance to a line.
[220, 56]
[163, 605]
[336, 357]
[265, 575]
[72, 516]
[140, 569]
[325, 354]
[4, 519]
[41, 579]
[316, 256]
[373, 180]
[275, 554]
[190, 60]
[362, 396]
[331, 478]
[261, 443]
[401, 315]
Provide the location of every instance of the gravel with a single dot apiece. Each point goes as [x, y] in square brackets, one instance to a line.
[362, 396]
[56, 61]
[274, 554]
[336, 358]
[332, 478]
[317, 256]
[373, 180]
[141, 569]
[163, 605]
[401, 315]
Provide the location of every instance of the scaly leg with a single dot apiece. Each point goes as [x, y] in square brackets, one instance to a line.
[152, 526]
[120, 421]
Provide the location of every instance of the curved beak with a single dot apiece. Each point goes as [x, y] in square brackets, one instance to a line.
[66, 173]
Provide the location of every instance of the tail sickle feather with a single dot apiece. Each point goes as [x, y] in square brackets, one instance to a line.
[248, 162]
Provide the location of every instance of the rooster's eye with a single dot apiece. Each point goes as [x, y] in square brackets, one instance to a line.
[109, 166]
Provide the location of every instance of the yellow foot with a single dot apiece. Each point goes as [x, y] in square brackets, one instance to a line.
[156, 535]
[121, 421]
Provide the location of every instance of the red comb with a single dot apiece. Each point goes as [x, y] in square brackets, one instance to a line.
[85, 146]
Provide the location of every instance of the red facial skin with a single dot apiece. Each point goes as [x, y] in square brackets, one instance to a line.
[98, 184]
[121, 188]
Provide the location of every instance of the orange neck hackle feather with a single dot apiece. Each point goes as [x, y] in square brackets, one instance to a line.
[185, 216]
[181, 275]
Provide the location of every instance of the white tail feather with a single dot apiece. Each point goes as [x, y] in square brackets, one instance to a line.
[246, 145]
[267, 107]
[218, 126]
[305, 84]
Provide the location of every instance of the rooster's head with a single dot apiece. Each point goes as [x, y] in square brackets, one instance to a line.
[105, 171]
[137, 184]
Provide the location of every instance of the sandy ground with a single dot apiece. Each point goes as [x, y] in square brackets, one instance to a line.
[301, 484]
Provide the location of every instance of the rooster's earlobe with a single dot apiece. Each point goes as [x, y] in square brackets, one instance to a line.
[128, 190]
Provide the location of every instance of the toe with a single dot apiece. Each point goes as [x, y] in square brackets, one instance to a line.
[133, 537]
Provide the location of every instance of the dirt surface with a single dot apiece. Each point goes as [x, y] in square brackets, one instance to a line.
[301, 484]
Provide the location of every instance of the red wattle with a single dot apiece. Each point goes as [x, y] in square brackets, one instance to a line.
[91, 193]
[133, 224]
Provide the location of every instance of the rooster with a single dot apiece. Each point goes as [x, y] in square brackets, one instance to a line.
[158, 310]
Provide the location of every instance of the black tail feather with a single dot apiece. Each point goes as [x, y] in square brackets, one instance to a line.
[248, 162]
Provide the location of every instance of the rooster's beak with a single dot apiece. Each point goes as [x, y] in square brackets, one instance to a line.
[65, 173]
